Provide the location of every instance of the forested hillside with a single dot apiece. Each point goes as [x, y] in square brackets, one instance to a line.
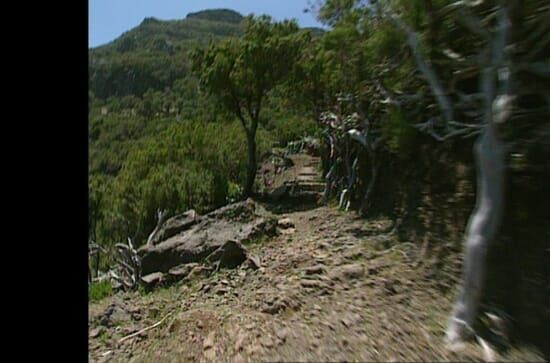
[155, 140]
[431, 114]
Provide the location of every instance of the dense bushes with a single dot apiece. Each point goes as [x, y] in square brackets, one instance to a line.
[291, 128]
[186, 165]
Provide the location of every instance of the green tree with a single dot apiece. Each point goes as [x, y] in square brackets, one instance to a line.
[241, 73]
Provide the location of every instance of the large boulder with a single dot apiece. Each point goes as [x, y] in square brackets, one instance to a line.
[226, 227]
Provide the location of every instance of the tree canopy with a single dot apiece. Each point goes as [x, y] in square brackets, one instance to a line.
[240, 73]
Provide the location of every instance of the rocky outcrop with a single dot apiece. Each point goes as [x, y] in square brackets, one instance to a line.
[217, 237]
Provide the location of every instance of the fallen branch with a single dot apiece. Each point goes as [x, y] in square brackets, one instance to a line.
[395, 248]
[144, 329]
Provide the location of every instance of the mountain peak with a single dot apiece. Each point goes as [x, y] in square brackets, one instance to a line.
[224, 15]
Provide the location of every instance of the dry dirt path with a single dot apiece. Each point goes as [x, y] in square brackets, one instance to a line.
[330, 289]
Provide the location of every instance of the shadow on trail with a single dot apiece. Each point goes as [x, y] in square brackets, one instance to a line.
[290, 204]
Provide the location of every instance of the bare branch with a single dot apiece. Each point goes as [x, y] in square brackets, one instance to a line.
[441, 96]
[161, 218]
[144, 329]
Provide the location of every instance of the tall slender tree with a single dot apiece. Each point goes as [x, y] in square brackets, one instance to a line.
[241, 72]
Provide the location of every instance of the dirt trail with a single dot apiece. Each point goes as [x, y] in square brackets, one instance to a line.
[331, 288]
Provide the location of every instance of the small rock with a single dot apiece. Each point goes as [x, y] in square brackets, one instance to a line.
[312, 270]
[273, 309]
[179, 272]
[267, 342]
[222, 291]
[238, 358]
[289, 231]
[210, 354]
[351, 271]
[311, 283]
[96, 332]
[389, 287]
[239, 344]
[114, 314]
[282, 334]
[254, 349]
[209, 341]
[198, 271]
[134, 310]
[354, 255]
[252, 262]
[285, 223]
[324, 245]
[152, 280]
[328, 325]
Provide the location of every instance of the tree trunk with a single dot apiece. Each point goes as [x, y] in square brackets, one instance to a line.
[374, 174]
[251, 167]
[328, 183]
[481, 230]
[490, 163]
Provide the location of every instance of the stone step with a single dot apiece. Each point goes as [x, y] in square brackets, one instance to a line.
[306, 196]
[308, 176]
[311, 187]
[308, 170]
[311, 182]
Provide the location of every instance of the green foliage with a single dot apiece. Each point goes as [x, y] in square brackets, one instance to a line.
[240, 72]
[332, 11]
[156, 141]
[308, 85]
[399, 133]
[153, 55]
[184, 166]
[382, 43]
[99, 290]
[292, 128]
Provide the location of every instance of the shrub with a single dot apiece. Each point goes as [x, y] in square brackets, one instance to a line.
[99, 290]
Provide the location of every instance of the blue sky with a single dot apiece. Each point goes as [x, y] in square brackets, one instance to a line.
[107, 19]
